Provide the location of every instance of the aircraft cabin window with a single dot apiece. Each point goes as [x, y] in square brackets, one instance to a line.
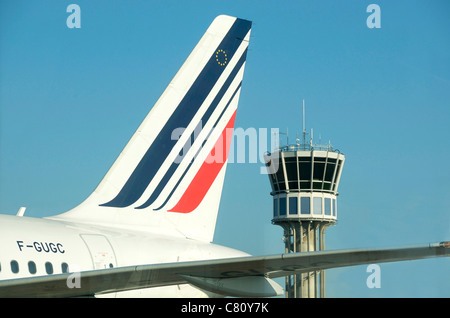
[14, 267]
[32, 267]
[49, 268]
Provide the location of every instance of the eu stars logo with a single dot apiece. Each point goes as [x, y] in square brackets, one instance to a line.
[221, 57]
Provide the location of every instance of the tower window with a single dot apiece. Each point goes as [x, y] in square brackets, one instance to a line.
[305, 205]
[327, 206]
[293, 205]
[305, 170]
[317, 205]
[275, 207]
[318, 170]
[329, 171]
[282, 206]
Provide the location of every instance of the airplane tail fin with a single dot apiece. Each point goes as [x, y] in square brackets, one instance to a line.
[171, 172]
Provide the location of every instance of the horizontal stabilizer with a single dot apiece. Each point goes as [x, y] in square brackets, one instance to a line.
[248, 286]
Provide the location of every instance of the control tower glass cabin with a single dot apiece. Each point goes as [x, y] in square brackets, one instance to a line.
[305, 182]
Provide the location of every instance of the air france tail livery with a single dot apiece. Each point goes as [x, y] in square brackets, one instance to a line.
[147, 228]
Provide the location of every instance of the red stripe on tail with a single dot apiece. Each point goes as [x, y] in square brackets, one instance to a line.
[207, 173]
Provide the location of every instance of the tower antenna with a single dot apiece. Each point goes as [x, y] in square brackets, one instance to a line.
[304, 129]
[304, 116]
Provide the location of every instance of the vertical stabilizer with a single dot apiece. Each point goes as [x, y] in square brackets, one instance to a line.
[171, 172]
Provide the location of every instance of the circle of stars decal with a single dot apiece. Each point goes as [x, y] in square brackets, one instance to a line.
[221, 57]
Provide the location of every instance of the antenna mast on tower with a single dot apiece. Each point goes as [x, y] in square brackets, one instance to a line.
[304, 129]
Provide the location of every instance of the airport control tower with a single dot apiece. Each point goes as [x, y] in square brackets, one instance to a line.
[305, 188]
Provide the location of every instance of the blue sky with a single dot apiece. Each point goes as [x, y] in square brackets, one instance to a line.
[71, 98]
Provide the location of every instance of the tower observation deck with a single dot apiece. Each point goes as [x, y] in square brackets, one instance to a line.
[304, 178]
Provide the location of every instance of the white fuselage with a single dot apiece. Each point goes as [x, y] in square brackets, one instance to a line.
[36, 247]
